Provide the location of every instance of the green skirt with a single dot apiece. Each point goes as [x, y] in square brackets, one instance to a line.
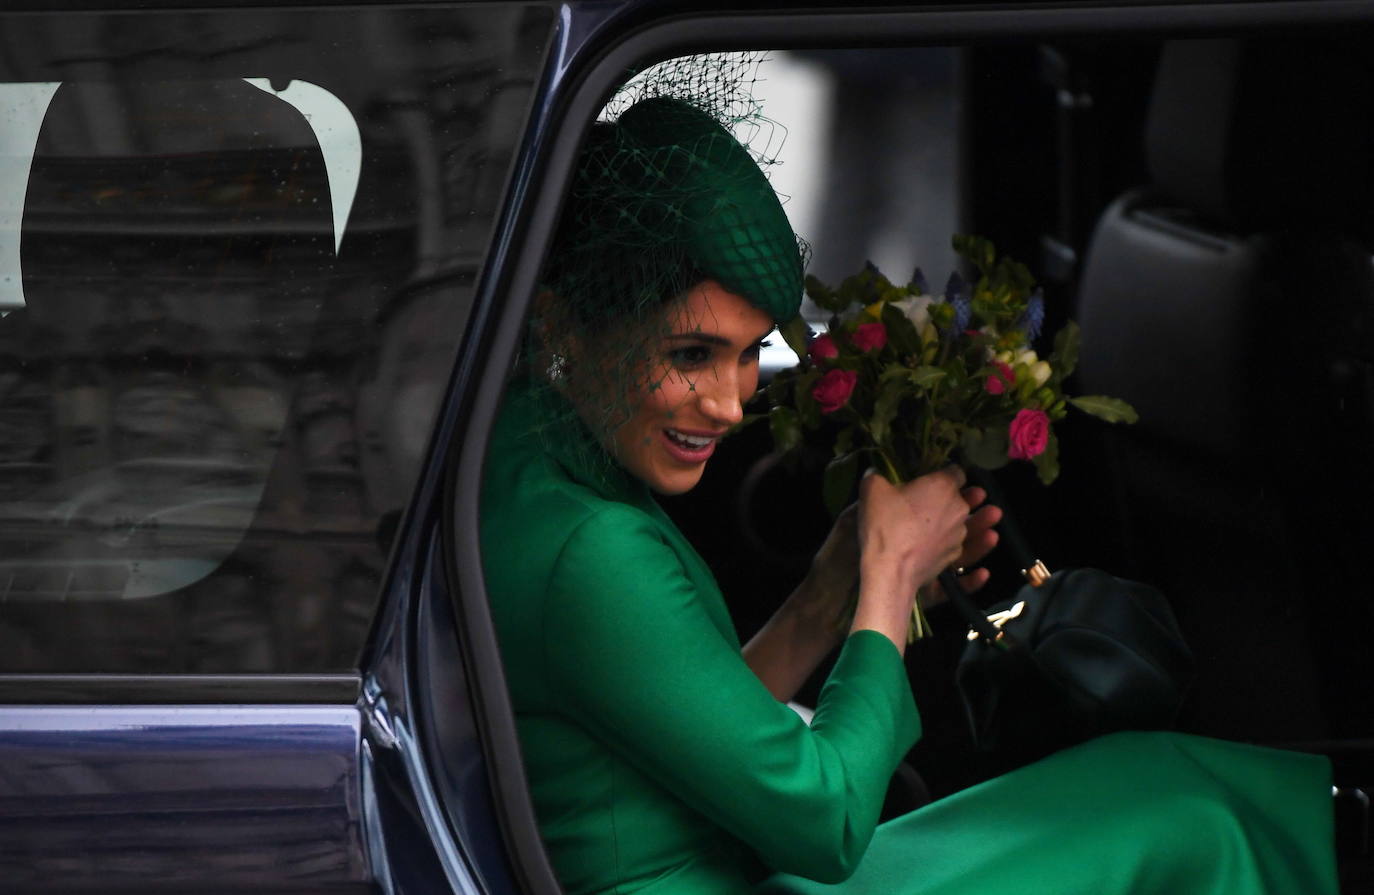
[1128, 813]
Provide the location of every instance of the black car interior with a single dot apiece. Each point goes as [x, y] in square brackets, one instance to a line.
[1226, 298]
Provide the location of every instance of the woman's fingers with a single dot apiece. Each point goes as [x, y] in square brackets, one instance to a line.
[955, 474]
[980, 535]
[934, 594]
[974, 497]
[917, 528]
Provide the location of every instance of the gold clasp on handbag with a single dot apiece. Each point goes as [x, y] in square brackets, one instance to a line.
[998, 619]
[1037, 574]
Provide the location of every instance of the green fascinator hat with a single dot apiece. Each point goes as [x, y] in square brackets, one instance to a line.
[663, 198]
[732, 224]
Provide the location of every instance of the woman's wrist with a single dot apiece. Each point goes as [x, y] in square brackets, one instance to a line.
[815, 610]
[884, 604]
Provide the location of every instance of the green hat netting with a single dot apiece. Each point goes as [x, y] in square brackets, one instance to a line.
[665, 196]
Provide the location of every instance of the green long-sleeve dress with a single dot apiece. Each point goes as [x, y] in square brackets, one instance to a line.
[658, 763]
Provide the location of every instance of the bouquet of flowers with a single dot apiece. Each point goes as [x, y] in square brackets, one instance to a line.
[907, 382]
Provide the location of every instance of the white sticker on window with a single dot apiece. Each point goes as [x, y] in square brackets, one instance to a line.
[339, 139]
[22, 107]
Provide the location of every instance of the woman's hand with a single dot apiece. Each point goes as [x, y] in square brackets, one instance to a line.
[979, 539]
[908, 534]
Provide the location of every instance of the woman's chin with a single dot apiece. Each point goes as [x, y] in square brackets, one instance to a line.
[671, 484]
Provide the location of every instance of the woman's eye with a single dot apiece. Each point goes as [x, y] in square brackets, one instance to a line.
[753, 351]
[690, 356]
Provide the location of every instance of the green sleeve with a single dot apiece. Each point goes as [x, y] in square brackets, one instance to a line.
[631, 651]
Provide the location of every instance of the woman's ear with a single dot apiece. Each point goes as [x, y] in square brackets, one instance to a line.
[554, 339]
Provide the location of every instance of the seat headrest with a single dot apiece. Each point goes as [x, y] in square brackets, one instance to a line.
[1264, 133]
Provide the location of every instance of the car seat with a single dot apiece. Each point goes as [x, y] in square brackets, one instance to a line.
[1231, 301]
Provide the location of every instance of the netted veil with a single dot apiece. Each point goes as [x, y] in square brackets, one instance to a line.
[669, 190]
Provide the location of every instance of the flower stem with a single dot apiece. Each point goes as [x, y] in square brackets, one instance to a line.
[919, 627]
[889, 470]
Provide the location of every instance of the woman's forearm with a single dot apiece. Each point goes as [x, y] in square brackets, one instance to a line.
[883, 605]
[803, 631]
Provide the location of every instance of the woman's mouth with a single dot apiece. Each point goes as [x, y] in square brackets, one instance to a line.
[689, 447]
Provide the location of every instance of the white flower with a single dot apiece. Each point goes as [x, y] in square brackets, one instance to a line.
[1040, 372]
[1026, 356]
[915, 308]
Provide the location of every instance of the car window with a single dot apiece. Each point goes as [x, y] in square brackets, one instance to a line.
[237, 251]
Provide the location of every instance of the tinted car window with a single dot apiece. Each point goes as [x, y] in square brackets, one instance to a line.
[237, 251]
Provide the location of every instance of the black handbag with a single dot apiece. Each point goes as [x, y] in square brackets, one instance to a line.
[1072, 656]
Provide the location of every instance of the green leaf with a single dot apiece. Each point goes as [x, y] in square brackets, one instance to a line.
[925, 377]
[844, 442]
[1065, 356]
[894, 371]
[837, 487]
[1113, 410]
[901, 333]
[922, 377]
[1047, 462]
[807, 408]
[1020, 277]
[797, 334]
[779, 390]
[985, 309]
[985, 448]
[786, 428]
[975, 249]
[885, 410]
[823, 295]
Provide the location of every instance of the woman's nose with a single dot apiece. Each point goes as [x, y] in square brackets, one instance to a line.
[719, 398]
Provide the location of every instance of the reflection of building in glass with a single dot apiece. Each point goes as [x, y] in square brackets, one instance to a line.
[209, 420]
[893, 122]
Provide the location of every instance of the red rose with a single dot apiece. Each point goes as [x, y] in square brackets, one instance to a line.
[834, 389]
[870, 337]
[823, 348]
[1030, 433]
[998, 382]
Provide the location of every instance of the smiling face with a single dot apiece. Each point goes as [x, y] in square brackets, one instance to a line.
[701, 372]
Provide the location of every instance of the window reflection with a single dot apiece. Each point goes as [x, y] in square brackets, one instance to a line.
[217, 388]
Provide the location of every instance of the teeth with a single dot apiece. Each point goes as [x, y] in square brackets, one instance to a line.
[693, 441]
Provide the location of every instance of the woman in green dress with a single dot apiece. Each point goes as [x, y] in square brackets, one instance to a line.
[662, 755]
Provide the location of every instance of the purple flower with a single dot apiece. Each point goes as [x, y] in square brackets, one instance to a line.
[918, 281]
[956, 293]
[1033, 318]
[963, 313]
[955, 287]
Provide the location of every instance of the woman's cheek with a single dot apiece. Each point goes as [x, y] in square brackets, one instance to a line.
[749, 382]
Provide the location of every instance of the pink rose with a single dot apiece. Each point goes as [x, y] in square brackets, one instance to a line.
[1030, 433]
[823, 348]
[998, 382]
[834, 389]
[870, 337]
